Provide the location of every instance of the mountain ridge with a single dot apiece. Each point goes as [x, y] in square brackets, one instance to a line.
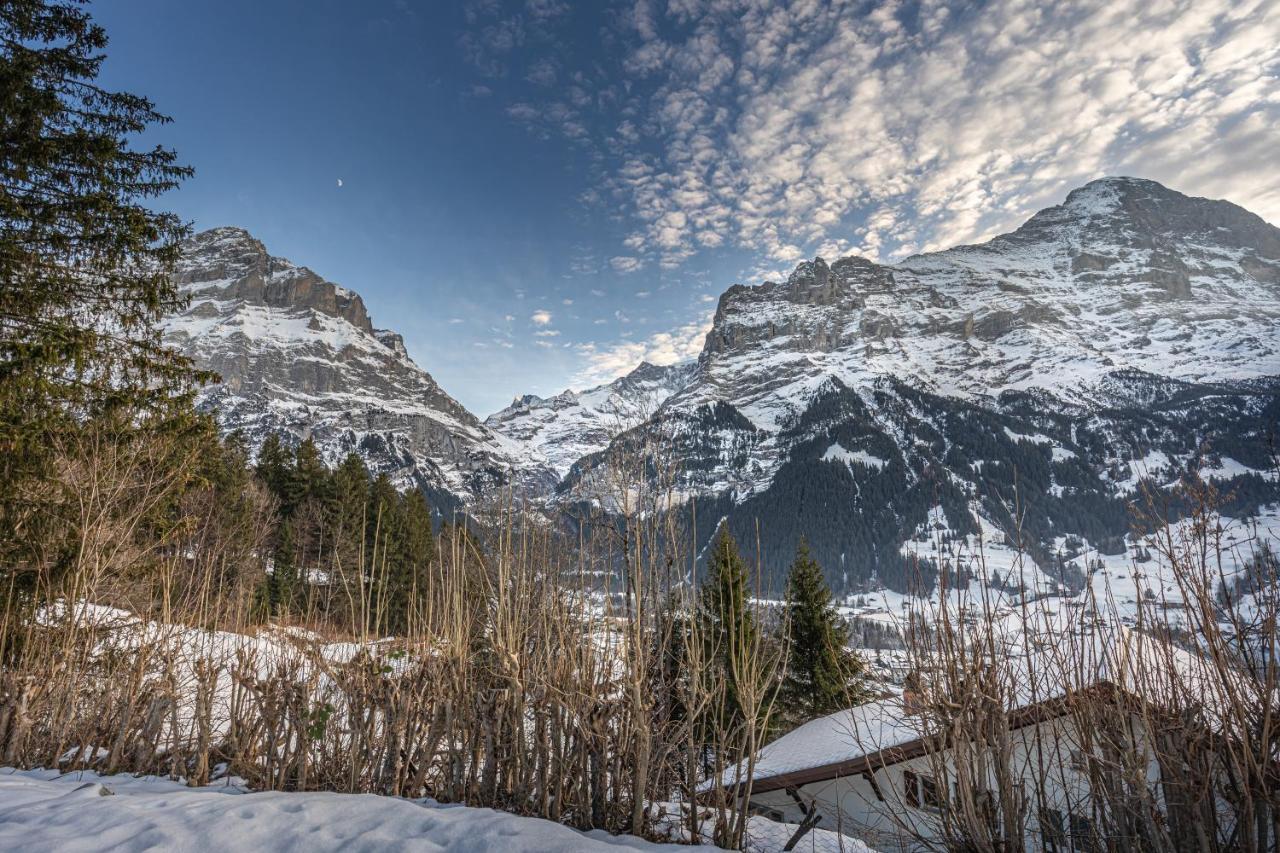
[300, 355]
[1118, 339]
[1052, 355]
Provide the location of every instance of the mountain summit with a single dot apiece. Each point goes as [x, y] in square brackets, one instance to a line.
[300, 355]
[1126, 335]
[1025, 389]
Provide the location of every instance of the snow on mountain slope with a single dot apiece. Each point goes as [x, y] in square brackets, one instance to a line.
[1119, 339]
[572, 424]
[1126, 274]
[299, 354]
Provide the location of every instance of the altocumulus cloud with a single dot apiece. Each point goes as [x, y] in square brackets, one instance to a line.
[788, 128]
[794, 128]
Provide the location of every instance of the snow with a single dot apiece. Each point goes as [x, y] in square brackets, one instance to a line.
[1016, 313]
[843, 736]
[836, 453]
[762, 835]
[44, 810]
[1228, 468]
[1046, 654]
[299, 369]
[573, 424]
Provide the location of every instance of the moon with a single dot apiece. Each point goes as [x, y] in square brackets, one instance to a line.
[339, 181]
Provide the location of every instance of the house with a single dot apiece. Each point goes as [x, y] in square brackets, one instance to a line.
[883, 773]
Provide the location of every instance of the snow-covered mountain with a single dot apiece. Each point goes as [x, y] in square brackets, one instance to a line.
[299, 354]
[1126, 333]
[1051, 375]
[573, 424]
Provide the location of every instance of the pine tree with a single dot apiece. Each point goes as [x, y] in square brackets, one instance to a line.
[85, 267]
[728, 623]
[274, 465]
[310, 478]
[348, 509]
[283, 582]
[822, 675]
[410, 549]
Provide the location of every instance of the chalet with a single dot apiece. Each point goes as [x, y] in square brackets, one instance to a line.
[875, 773]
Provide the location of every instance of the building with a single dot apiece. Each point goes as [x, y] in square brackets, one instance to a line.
[1054, 725]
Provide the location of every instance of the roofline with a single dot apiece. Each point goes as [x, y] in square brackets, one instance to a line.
[1040, 712]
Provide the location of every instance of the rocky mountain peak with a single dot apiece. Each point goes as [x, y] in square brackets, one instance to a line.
[299, 355]
[564, 428]
[230, 263]
[1126, 215]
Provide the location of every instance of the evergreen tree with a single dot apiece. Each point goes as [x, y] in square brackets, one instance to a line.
[274, 465]
[410, 549]
[310, 478]
[283, 581]
[85, 267]
[348, 509]
[822, 675]
[728, 623]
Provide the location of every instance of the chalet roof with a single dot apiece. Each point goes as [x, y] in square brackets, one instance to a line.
[837, 739]
[1039, 668]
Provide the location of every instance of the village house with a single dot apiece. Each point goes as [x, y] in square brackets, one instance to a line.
[880, 773]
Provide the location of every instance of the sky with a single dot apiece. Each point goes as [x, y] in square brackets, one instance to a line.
[540, 194]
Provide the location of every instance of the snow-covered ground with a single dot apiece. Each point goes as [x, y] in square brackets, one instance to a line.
[43, 810]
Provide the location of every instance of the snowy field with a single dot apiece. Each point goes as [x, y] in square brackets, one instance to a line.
[1139, 579]
[43, 811]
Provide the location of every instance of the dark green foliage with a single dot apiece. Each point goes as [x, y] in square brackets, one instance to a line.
[954, 455]
[728, 622]
[84, 265]
[823, 676]
[274, 465]
[340, 529]
[282, 583]
[410, 549]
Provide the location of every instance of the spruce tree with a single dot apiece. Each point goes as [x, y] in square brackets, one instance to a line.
[348, 510]
[274, 465]
[410, 550]
[310, 478]
[822, 675]
[282, 584]
[728, 623]
[85, 265]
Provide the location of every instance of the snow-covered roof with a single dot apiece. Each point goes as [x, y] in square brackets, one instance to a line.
[1039, 664]
[838, 738]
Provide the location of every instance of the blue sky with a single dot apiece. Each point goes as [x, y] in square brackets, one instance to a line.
[539, 194]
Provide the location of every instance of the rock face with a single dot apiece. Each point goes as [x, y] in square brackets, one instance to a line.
[1129, 332]
[562, 429]
[1124, 275]
[299, 354]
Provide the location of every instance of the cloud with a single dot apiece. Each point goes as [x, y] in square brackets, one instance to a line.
[547, 333]
[807, 127]
[543, 9]
[626, 264]
[541, 317]
[542, 72]
[606, 363]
